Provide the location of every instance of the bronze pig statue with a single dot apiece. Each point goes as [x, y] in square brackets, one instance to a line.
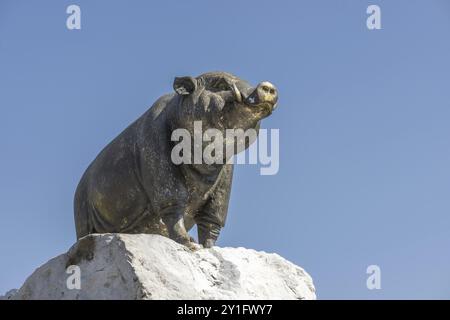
[133, 186]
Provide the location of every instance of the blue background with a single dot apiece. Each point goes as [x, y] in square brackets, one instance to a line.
[363, 116]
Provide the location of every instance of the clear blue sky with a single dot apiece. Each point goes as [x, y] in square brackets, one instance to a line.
[363, 116]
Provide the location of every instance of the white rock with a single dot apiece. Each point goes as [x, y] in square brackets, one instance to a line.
[9, 295]
[143, 266]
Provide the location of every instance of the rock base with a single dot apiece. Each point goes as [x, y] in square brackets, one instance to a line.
[144, 266]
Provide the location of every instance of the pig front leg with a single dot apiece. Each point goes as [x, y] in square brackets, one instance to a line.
[173, 218]
[208, 233]
[211, 218]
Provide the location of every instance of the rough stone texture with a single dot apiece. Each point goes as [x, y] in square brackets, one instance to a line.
[9, 295]
[144, 266]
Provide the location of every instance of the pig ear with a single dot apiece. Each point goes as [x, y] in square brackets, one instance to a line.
[184, 85]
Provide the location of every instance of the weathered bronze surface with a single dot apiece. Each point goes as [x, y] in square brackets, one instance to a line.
[133, 186]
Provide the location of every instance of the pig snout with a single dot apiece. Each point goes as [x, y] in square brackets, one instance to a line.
[264, 93]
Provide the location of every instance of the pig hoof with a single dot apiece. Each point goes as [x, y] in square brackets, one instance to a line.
[194, 246]
[209, 243]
